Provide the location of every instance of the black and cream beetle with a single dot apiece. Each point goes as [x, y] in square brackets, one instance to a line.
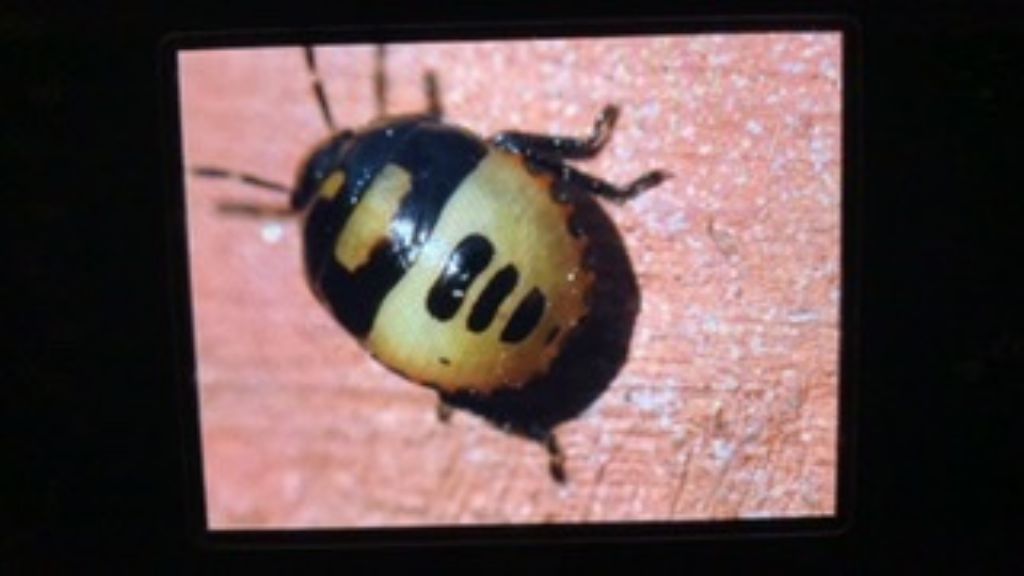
[457, 262]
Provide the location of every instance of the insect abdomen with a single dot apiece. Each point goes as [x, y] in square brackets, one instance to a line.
[456, 271]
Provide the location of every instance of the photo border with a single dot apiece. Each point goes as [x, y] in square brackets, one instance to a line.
[850, 363]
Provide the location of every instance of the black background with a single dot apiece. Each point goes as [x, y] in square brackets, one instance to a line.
[90, 413]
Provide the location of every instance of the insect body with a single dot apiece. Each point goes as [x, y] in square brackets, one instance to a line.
[457, 262]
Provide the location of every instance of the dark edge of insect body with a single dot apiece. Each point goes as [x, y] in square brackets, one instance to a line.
[592, 352]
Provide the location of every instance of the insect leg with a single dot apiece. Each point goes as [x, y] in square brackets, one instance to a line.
[556, 458]
[560, 147]
[444, 410]
[433, 99]
[578, 180]
[318, 87]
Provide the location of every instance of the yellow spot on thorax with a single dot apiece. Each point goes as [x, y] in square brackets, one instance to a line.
[370, 220]
[332, 185]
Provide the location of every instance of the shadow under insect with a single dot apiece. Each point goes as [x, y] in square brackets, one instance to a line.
[593, 353]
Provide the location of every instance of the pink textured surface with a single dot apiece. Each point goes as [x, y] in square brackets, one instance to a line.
[727, 405]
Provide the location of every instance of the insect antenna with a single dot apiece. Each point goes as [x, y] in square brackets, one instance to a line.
[318, 88]
[380, 81]
[222, 174]
[245, 208]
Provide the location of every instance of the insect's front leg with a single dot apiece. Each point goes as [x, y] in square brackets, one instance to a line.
[558, 148]
[586, 183]
[550, 153]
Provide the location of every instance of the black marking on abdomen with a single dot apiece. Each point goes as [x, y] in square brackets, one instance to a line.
[438, 158]
[355, 298]
[501, 285]
[526, 317]
[469, 258]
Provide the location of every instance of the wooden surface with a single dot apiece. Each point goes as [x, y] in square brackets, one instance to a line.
[727, 404]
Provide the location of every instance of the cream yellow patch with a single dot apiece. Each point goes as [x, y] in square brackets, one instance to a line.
[513, 209]
[370, 220]
[332, 185]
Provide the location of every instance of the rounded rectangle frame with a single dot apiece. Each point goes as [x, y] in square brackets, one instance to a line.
[849, 326]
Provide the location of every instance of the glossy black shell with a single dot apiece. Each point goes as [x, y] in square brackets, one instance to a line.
[438, 156]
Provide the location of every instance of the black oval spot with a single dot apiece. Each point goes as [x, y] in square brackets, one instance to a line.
[525, 318]
[469, 258]
[500, 286]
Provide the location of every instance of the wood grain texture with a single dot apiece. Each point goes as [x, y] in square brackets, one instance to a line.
[727, 405]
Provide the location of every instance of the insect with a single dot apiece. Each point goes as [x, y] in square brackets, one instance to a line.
[458, 262]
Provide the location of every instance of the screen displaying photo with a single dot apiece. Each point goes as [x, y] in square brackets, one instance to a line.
[569, 281]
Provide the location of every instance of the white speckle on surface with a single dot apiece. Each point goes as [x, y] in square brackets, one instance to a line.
[793, 67]
[757, 514]
[803, 316]
[757, 345]
[651, 400]
[272, 232]
[722, 449]
[649, 111]
[721, 58]
[727, 384]
[711, 324]
[754, 127]
[740, 81]
[665, 421]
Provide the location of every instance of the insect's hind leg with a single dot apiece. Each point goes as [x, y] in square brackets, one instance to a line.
[556, 458]
[444, 411]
